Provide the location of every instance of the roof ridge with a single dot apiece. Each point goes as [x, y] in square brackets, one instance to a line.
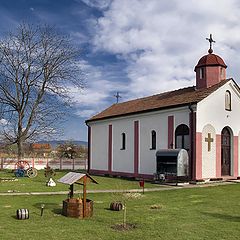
[175, 98]
[154, 95]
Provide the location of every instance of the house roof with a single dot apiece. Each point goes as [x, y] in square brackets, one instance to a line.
[40, 146]
[176, 98]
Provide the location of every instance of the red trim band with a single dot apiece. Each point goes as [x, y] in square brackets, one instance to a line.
[170, 131]
[235, 156]
[136, 147]
[109, 148]
[89, 148]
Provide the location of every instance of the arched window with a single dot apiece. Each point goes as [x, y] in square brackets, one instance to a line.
[153, 139]
[123, 141]
[228, 104]
[201, 73]
[222, 72]
[182, 137]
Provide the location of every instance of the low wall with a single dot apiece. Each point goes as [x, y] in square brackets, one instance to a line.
[41, 163]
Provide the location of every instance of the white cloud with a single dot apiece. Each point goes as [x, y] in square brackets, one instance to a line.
[98, 93]
[101, 4]
[3, 122]
[85, 113]
[79, 37]
[160, 43]
[162, 40]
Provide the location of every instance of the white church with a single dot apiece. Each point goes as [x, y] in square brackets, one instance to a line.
[203, 119]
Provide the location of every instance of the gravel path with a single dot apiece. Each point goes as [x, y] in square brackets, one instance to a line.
[162, 188]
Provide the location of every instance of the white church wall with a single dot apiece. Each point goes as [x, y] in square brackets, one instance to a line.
[99, 146]
[123, 160]
[157, 121]
[211, 110]
[208, 155]
[239, 154]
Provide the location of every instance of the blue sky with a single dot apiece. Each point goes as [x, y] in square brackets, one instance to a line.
[135, 47]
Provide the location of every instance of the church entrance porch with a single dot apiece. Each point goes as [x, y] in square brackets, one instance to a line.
[226, 149]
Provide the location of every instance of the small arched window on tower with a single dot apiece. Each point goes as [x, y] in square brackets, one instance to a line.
[222, 73]
[201, 73]
[228, 104]
[153, 140]
[123, 141]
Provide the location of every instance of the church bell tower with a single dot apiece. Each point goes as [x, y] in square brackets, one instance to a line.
[210, 69]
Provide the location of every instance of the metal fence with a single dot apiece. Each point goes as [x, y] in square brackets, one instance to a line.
[41, 163]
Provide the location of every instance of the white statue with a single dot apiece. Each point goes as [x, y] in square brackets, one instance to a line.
[51, 183]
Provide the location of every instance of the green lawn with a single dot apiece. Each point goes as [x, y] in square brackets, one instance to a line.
[200, 213]
[37, 184]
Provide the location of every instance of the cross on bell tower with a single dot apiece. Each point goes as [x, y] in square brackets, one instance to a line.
[210, 39]
[210, 68]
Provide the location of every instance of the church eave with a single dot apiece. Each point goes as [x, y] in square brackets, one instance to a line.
[140, 112]
[167, 100]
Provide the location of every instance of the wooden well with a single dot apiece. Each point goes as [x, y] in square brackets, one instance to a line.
[73, 207]
[76, 207]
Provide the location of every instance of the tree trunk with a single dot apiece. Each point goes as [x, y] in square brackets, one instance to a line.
[20, 148]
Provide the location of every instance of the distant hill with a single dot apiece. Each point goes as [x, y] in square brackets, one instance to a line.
[54, 143]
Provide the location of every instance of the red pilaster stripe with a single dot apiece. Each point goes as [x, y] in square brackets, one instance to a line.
[136, 147]
[170, 131]
[192, 150]
[218, 156]
[198, 167]
[110, 148]
[89, 148]
[235, 156]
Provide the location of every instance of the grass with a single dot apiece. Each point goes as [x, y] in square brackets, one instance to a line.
[37, 184]
[200, 213]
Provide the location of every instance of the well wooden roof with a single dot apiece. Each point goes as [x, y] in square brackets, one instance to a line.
[181, 97]
[73, 177]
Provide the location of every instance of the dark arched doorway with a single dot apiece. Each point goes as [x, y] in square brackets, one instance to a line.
[182, 137]
[226, 150]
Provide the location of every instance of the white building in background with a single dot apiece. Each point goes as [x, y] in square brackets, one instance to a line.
[203, 119]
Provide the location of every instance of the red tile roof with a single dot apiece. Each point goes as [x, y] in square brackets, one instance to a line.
[211, 60]
[42, 146]
[177, 98]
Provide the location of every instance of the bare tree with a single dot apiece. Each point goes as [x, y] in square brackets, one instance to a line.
[70, 150]
[38, 67]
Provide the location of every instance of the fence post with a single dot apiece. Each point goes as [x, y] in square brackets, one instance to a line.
[32, 162]
[1, 163]
[60, 163]
[85, 164]
[73, 164]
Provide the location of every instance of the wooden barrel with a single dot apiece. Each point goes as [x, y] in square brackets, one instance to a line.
[116, 206]
[22, 214]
